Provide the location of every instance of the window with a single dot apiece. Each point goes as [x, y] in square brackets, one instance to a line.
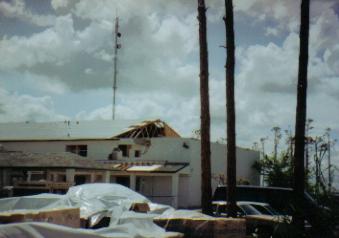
[137, 153]
[123, 180]
[77, 149]
[98, 178]
[125, 150]
[36, 175]
[61, 178]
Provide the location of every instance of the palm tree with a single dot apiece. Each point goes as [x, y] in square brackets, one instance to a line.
[230, 108]
[206, 189]
[299, 167]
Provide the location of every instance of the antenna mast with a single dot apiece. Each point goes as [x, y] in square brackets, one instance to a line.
[116, 46]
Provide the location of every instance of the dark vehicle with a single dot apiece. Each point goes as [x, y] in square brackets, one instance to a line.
[245, 208]
[281, 199]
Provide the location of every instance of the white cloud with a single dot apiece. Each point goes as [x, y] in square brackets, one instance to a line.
[151, 106]
[153, 47]
[270, 31]
[88, 71]
[56, 4]
[51, 45]
[44, 84]
[17, 9]
[266, 83]
[104, 55]
[32, 82]
[158, 73]
[16, 107]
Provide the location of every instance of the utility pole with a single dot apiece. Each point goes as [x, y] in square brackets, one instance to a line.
[116, 46]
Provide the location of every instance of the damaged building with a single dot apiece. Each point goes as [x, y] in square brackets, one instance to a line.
[150, 157]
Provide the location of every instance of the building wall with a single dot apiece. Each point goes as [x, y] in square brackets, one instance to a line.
[188, 150]
[156, 188]
[170, 149]
[96, 149]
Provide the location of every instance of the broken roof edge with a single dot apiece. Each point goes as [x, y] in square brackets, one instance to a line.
[135, 130]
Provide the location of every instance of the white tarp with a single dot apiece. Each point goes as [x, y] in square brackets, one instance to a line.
[45, 230]
[35, 202]
[94, 201]
[93, 198]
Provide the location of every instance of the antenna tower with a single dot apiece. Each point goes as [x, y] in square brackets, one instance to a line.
[116, 46]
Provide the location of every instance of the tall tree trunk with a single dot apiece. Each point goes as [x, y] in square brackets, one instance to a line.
[206, 189]
[230, 108]
[299, 170]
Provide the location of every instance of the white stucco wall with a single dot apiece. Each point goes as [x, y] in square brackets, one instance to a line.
[170, 149]
[96, 149]
[156, 188]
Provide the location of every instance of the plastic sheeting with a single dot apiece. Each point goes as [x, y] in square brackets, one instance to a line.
[35, 202]
[93, 198]
[47, 230]
[172, 213]
[95, 201]
[44, 230]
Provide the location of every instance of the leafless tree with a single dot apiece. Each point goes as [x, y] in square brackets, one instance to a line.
[277, 137]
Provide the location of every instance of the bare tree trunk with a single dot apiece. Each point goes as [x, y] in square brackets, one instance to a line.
[230, 107]
[299, 170]
[206, 189]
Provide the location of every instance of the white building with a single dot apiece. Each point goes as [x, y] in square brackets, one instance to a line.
[150, 157]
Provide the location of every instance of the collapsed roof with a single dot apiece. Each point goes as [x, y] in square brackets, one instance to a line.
[84, 130]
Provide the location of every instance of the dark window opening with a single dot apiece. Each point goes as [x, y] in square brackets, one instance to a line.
[37, 176]
[125, 150]
[98, 179]
[123, 180]
[61, 178]
[137, 184]
[80, 179]
[77, 149]
[137, 153]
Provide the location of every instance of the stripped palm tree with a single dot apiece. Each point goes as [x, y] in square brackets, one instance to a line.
[206, 189]
[230, 108]
[299, 167]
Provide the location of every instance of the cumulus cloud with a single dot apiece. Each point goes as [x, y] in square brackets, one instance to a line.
[153, 47]
[56, 4]
[22, 107]
[151, 106]
[266, 83]
[157, 65]
[51, 45]
[17, 9]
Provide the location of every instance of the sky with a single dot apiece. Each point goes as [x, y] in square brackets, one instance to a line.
[56, 63]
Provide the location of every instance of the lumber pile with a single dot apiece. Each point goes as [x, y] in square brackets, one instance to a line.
[61, 216]
[140, 207]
